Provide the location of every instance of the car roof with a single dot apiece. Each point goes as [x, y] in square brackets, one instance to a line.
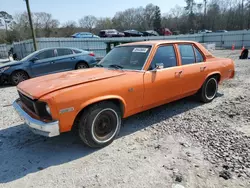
[160, 42]
[52, 48]
[157, 42]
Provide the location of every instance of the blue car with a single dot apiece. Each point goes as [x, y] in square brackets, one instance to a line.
[84, 35]
[46, 61]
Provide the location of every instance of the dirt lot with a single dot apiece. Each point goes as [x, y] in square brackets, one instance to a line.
[182, 144]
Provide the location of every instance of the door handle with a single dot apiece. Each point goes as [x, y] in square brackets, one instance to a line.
[203, 68]
[178, 74]
[52, 62]
[73, 58]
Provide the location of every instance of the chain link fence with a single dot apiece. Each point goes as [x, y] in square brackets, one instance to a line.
[3, 51]
[99, 45]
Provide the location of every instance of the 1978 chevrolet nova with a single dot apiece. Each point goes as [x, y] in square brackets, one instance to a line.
[130, 79]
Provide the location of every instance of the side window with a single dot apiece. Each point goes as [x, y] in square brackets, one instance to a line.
[77, 51]
[165, 55]
[62, 52]
[187, 54]
[46, 54]
[199, 57]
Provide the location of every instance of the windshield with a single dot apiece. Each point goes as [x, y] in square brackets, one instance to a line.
[126, 57]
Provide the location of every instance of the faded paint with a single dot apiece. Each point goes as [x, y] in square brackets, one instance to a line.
[78, 89]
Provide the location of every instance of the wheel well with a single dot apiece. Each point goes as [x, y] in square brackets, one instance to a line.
[117, 102]
[81, 62]
[20, 71]
[217, 76]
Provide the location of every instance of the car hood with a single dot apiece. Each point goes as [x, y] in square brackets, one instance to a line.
[40, 86]
[11, 63]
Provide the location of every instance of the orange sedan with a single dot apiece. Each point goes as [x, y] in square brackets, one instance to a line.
[131, 78]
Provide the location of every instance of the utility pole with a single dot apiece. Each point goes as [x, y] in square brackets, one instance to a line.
[242, 14]
[205, 7]
[31, 25]
[205, 14]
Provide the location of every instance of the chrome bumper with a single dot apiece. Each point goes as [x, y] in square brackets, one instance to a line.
[38, 127]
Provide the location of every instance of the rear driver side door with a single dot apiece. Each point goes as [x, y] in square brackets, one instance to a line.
[66, 60]
[195, 69]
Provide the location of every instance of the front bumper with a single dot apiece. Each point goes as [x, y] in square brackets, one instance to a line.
[50, 129]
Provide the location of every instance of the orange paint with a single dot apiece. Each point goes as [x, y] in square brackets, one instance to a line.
[137, 91]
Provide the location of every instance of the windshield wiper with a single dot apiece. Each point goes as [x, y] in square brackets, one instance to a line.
[116, 66]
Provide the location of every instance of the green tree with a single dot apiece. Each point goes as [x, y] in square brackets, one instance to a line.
[88, 22]
[157, 19]
[190, 10]
[104, 23]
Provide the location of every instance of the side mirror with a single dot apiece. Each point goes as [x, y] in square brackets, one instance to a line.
[158, 66]
[34, 59]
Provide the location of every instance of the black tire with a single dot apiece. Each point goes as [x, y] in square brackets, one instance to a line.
[82, 65]
[208, 90]
[18, 76]
[100, 124]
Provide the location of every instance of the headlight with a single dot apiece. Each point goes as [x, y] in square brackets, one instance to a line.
[4, 69]
[48, 109]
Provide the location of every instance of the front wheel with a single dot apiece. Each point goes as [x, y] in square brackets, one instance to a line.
[18, 76]
[100, 124]
[209, 90]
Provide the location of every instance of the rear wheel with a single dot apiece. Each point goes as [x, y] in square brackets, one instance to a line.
[18, 76]
[100, 124]
[82, 65]
[209, 90]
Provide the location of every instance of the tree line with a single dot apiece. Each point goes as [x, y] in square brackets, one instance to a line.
[209, 14]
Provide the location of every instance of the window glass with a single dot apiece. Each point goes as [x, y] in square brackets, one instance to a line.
[165, 55]
[62, 52]
[187, 54]
[77, 51]
[46, 54]
[199, 57]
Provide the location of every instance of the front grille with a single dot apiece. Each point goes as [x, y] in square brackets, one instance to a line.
[35, 106]
[29, 103]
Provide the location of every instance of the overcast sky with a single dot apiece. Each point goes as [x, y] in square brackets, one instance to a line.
[65, 10]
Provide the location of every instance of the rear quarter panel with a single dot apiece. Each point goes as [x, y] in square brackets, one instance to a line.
[223, 66]
[88, 59]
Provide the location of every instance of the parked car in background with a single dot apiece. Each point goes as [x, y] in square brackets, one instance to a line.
[132, 33]
[84, 35]
[164, 32]
[204, 31]
[131, 78]
[221, 31]
[111, 33]
[150, 33]
[46, 61]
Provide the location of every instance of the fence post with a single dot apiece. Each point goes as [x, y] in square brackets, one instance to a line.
[243, 39]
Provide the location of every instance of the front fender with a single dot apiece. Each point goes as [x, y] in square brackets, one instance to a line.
[102, 98]
[15, 68]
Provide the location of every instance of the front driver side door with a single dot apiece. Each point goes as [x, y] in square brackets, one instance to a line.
[43, 65]
[165, 84]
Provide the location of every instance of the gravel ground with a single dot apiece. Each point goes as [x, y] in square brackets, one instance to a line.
[181, 144]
